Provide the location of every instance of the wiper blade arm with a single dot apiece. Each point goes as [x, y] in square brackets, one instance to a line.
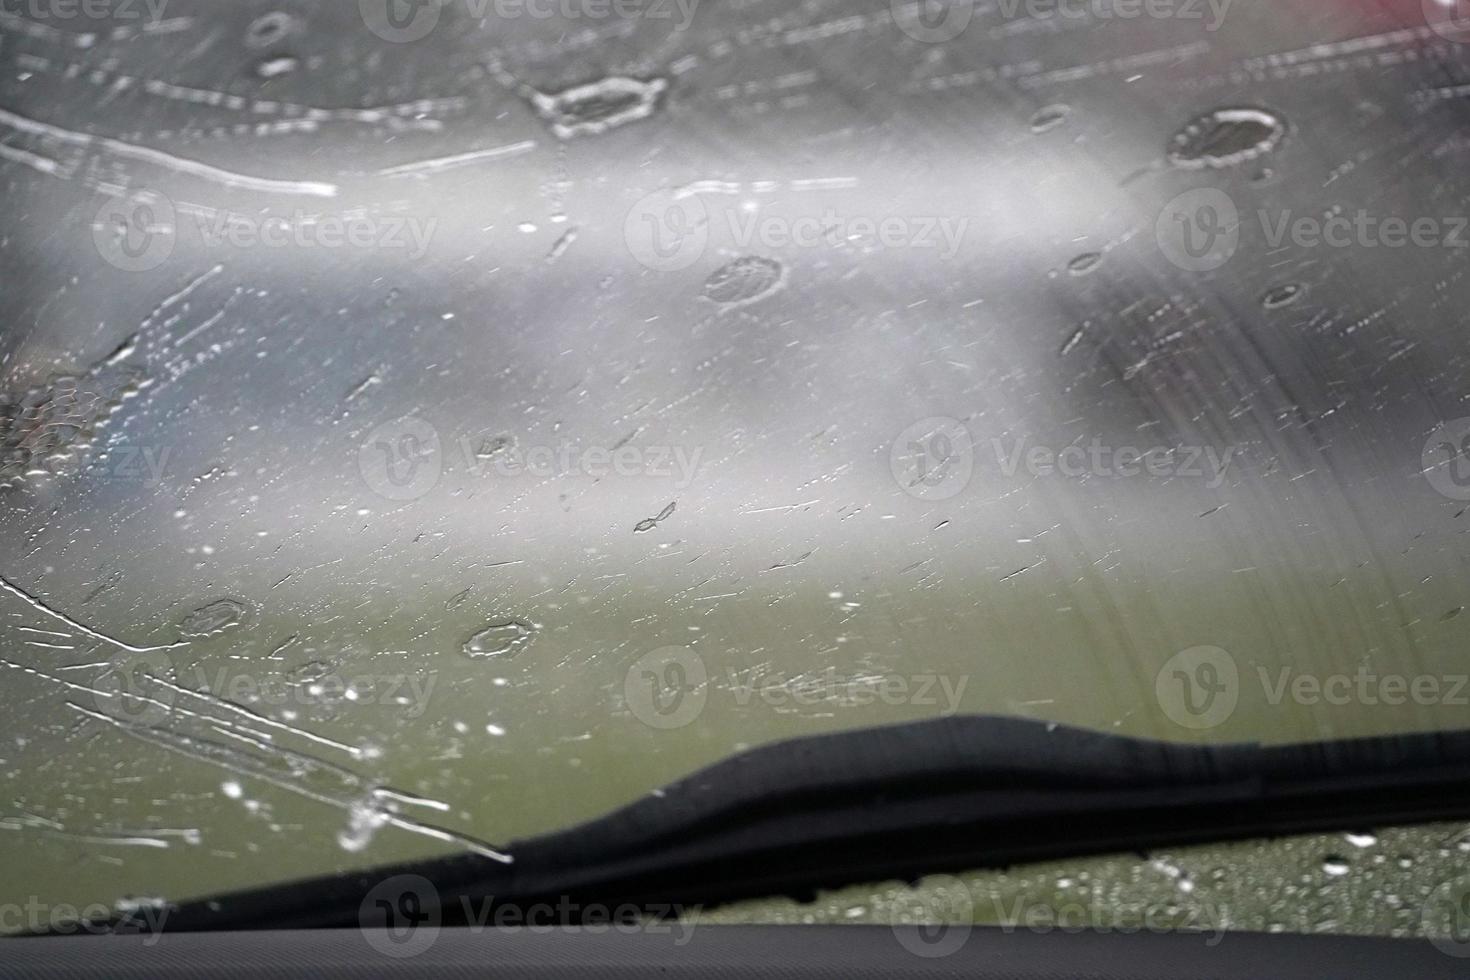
[953, 794]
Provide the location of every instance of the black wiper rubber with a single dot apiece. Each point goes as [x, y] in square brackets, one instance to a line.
[901, 802]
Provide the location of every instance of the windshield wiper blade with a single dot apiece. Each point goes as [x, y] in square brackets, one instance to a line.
[900, 802]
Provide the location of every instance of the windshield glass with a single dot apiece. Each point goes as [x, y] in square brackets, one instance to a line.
[426, 426]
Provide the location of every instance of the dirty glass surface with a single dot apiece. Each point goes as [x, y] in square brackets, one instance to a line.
[425, 426]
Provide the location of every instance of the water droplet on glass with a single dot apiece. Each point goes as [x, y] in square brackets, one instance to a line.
[1283, 295]
[218, 616]
[1085, 263]
[1335, 867]
[597, 107]
[269, 28]
[1226, 137]
[745, 280]
[274, 67]
[500, 639]
[1049, 117]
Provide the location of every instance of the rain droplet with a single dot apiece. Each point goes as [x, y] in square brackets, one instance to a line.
[1335, 867]
[1049, 117]
[218, 616]
[1283, 295]
[745, 280]
[587, 110]
[500, 639]
[274, 67]
[1085, 263]
[1226, 137]
[269, 28]
[649, 523]
[309, 673]
[1362, 839]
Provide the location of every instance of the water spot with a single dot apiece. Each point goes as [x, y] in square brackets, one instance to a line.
[1085, 263]
[1335, 867]
[649, 523]
[1050, 117]
[1451, 614]
[269, 29]
[1283, 295]
[46, 429]
[595, 108]
[231, 789]
[1361, 839]
[500, 639]
[275, 67]
[309, 672]
[745, 280]
[1226, 137]
[218, 616]
[1070, 344]
[494, 446]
